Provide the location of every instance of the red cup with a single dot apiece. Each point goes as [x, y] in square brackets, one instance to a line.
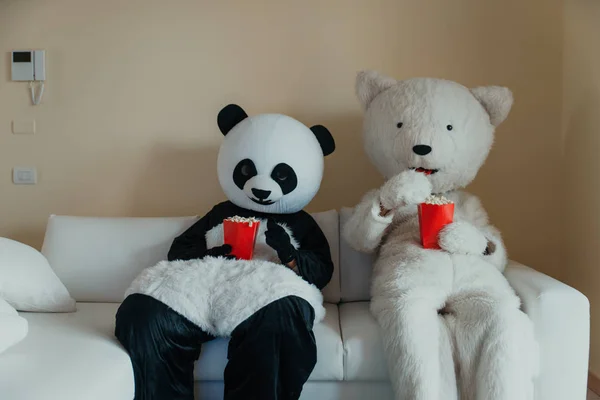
[432, 218]
[241, 236]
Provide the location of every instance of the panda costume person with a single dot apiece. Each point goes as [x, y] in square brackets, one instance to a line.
[270, 166]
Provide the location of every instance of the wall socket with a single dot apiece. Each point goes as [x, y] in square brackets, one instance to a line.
[24, 175]
[23, 126]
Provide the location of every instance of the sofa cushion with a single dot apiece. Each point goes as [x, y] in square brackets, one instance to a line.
[355, 267]
[14, 327]
[70, 356]
[365, 360]
[213, 358]
[28, 283]
[98, 258]
[329, 223]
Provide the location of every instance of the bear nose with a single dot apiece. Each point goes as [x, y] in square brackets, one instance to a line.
[261, 194]
[422, 149]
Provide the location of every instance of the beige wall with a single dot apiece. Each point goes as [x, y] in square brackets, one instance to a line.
[127, 125]
[582, 156]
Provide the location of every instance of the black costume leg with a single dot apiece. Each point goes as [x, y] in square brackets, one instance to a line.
[272, 353]
[163, 346]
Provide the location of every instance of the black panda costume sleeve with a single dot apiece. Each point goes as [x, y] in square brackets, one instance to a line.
[192, 243]
[313, 256]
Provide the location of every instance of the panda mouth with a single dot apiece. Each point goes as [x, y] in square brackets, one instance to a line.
[425, 170]
[262, 202]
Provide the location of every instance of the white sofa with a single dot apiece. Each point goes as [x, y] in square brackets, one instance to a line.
[75, 356]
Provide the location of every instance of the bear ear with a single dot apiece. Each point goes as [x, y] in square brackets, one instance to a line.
[230, 116]
[325, 139]
[369, 84]
[496, 100]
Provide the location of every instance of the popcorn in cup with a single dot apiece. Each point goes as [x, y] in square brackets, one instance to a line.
[435, 213]
[240, 233]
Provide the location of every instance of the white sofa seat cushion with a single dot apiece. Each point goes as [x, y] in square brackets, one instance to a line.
[98, 258]
[13, 327]
[68, 357]
[314, 390]
[365, 360]
[213, 358]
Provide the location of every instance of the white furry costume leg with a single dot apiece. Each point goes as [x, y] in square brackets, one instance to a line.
[480, 345]
[496, 351]
[407, 294]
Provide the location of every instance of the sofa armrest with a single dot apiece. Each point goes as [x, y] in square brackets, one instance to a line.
[561, 318]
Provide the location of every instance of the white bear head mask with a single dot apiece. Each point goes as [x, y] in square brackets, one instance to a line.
[433, 125]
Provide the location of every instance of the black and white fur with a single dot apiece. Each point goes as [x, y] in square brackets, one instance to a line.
[269, 166]
[216, 293]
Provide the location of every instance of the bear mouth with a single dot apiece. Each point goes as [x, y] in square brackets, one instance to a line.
[262, 202]
[425, 170]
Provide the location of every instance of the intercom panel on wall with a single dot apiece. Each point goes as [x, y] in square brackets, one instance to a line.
[28, 65]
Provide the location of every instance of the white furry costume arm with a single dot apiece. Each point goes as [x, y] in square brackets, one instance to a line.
[365, 228]
[471, 233]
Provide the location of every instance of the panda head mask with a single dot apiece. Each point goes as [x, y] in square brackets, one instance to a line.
[270, 163]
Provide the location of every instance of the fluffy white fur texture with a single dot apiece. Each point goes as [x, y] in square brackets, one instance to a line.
[452, 325]
[218, 294]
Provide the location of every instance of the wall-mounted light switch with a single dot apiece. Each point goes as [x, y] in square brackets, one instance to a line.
[24, 175]
[23, 126]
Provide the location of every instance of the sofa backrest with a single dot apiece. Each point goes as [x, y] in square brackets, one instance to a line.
[98, 258]
[355, 268]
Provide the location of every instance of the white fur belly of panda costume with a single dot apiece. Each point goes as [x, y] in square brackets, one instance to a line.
[218, 294]
[270, 166]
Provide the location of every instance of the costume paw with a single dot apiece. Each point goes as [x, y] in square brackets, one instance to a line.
[462, 238]
[219, 251]
[278, 239]
[406, 188]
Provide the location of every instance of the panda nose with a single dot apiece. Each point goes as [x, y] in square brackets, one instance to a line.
[422, 149]
[261, 194]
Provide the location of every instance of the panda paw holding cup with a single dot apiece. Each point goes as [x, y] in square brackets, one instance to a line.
[259, 285]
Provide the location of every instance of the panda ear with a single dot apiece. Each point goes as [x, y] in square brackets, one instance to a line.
[230, 116]
[325, 139]
[496, 100]
[369, 84]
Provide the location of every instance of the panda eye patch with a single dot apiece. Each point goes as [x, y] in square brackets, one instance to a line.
[281, 174]
[243, 172]
[246, 170]
[285, 177]
[399, 124]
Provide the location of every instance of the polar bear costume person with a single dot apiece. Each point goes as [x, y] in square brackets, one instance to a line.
[452, 326]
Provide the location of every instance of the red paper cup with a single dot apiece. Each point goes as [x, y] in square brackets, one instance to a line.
[241, 236]
[432, 218]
